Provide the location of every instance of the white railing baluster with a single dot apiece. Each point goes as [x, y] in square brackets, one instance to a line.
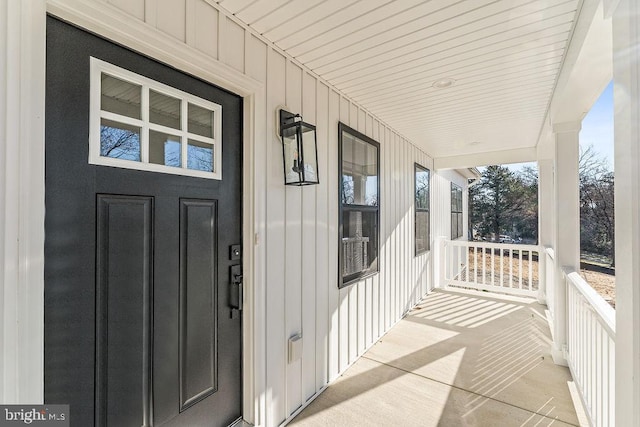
[591, 366]
[520, 269]
[475, 265]
[591, 348]
[599, 384]
[458, 261]
[501, 267]
[482, 273]
[484, 266]
[511, 268]
[450, 260]
[493, 267]
[531, 270]
[612, 382]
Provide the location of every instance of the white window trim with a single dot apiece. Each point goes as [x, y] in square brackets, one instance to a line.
[96, 114]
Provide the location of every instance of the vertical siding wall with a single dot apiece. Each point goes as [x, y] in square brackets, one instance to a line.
[337, 325]
[300, 245]
[441, 200]
[441, 212]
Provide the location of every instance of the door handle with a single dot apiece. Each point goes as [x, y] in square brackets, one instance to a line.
[235, 289]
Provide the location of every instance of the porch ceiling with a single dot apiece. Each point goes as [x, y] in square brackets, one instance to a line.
[504, 57]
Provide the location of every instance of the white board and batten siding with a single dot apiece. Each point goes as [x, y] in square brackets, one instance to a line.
[296, 265]
[441, 201]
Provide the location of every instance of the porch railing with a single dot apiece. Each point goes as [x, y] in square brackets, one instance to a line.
[590, 352]
[529, 270]
[505, 268]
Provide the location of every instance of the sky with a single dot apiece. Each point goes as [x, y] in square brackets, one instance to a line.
[597, 126]
[597, 129]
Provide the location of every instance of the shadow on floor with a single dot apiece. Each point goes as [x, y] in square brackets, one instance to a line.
[458, 359]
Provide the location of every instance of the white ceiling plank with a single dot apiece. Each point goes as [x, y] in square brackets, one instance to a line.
[235, 6]
[471, 88]
[450, 66]
[260, 9]
[511, 97]
[504, 56]
[468, 129]
[295, 29]
[286, 15]
[474, 130]
[514, 101]
[486, 158]
[452, 125]
[373, 24]
[465, 120]
[462, 66]
[494, 16]
[458, 118]
[467, 44]
[433, 102]
[434, 96]
[414, 45]
[398, 71]
[341, 16]
[490, 77]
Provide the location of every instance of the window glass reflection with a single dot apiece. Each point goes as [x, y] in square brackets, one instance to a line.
[119, 141]
[200, 121]
[359, 244]
[164, 149]
[200, 156]
[120, 97]
[359, 172]
[164, 110]
[422, 231]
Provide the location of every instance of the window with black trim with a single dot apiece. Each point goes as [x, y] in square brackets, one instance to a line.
[359, 158]
[456, 211]
[422, 231]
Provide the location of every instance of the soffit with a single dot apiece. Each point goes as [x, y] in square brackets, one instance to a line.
[504, 57]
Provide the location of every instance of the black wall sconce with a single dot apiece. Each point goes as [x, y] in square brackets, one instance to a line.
[299, 150]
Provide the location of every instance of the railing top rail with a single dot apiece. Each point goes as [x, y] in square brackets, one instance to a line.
[492, 245]
[605, 313]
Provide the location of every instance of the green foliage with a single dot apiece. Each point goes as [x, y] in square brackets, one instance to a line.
[503, 202]
[506, 203]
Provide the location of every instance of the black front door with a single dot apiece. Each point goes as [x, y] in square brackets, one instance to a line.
[138, 329]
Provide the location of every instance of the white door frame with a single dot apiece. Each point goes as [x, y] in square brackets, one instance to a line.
[22, 98]
[110, 23]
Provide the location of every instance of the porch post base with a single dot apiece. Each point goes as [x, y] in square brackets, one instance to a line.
[558, 356]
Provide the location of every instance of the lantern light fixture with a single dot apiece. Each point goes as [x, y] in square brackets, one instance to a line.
[299, 150]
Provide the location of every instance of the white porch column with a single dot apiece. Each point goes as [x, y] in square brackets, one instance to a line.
[567, 225]
[439, 265]
[626, 73]
[546, 218]
[22, 92]
[546, 210]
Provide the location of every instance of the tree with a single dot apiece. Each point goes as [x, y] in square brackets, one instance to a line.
[597, 219]
[527, 218]
[119, 143]
[503, 203]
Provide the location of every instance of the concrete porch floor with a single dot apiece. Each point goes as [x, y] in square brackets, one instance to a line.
[457, 359]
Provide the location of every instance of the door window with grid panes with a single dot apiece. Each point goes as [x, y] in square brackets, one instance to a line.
[138, 123]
